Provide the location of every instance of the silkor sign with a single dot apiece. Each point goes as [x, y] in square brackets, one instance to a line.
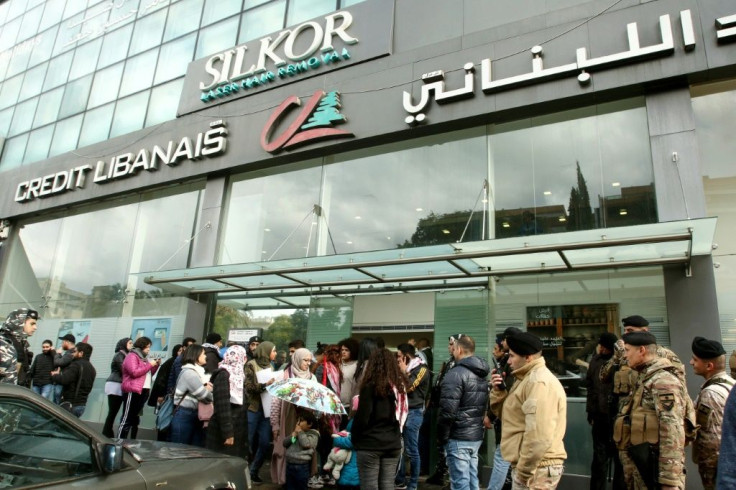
[326, 43]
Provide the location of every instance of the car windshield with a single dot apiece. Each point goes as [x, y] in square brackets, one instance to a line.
[36, 447]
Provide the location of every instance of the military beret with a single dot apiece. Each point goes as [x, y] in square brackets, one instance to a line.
[511, 331]
[524, 343]
[639, 338]
[707, 349]
[635, 321]
[608, 340]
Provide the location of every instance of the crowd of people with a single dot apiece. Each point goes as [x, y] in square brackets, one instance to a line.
[638, 407]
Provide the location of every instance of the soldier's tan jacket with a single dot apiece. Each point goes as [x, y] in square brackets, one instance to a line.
[709, 408]
[533, 419]
[655, 413]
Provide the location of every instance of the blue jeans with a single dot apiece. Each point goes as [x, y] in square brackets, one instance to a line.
[57, 393]
[500, 470]
[462, 461]
[258, 424]
[411, 447]
[46, 391]
[297, 476]
[186, 428]
[78, 410]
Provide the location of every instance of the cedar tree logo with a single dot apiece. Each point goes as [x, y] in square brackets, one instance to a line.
[314, 123]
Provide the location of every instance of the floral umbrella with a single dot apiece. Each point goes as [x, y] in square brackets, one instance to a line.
[308, 394]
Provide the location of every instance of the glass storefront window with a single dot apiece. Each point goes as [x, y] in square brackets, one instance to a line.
[713, 106]
[73, 7]
[164, 101]
[5, 117]
[75, 96]
[303, 10]
[576, 170]
[138, 72]
[13, 152]
[53, 9]
[42, 50]
[66, 135]
[30, 23]
[261, 21]
[10, 90]
[174, 58]
[48, 107]
[9, 33]
[215, 10]
[105, 85]
[217, 37]
[147, 33]
[96, 125]
[115, 46]
[129, 114]
[183, 18]
[18, 62]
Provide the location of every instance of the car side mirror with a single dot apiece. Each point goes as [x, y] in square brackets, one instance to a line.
[110, 456]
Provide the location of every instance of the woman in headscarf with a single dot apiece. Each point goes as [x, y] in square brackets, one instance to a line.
[284, 415]
[258, 422]
[379, 420]
[113, 385]
[226, 432]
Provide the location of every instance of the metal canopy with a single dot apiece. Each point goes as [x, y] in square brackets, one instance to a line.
[293, 282]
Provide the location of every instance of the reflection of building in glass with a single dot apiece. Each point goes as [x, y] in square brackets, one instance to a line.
[635, 205]
[62, 301]
[452, 227]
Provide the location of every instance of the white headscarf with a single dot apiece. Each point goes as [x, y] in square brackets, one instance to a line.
[296, 361]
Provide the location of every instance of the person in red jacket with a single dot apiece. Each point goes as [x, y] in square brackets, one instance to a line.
[138, 372]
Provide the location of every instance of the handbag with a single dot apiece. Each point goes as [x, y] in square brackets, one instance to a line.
[205, 411]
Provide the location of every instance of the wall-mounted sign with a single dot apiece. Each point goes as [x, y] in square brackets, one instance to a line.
[127, 165]
[434, 82]
[320, 45]
[314, 123]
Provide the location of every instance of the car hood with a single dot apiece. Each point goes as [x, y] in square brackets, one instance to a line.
[155, 451]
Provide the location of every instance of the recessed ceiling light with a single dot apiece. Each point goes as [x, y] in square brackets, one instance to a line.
[267, 229]
[547, 193]
[506, 225]
[616, 184]
[419, 209]
[263, 251]
[388, 238]
[446, 232]
[349, 242]
[623, 212]
[561, 219]
[358, 217]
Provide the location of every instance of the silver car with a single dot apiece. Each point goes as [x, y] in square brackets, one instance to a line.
[42, 445]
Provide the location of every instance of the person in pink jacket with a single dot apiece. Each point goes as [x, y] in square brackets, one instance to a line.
[138, 371]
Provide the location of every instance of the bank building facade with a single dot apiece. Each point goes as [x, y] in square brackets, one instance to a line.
[396, 168]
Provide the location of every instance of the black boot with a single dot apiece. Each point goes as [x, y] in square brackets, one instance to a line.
[440, 475]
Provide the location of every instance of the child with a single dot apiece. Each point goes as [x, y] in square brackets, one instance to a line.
[349, 477]
[300, 446]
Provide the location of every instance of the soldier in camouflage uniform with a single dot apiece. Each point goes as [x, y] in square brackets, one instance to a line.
[709, 361]
[14, 356]
[618, 372]
[649, 430]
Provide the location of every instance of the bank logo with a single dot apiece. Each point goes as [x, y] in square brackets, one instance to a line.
[314, 123]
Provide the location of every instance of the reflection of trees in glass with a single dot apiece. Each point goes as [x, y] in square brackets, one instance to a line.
[227, 318]
[105, 301]
[437, 229]
[580, 214]
[286, 328]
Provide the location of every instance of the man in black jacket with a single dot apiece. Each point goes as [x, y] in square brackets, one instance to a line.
[40, 371]
[76, 379]
[212, 345]
[463, 402]
[64, 357]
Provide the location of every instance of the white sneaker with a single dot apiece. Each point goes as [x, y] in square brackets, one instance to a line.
[315, 482]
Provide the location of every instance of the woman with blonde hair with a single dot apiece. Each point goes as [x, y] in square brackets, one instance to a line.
[284, 415]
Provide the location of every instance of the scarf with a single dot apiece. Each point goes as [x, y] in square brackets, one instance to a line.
[296, 361]
[402, 407]
[262, 354]
[233, 362]
[331, 373]
[417, 361]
